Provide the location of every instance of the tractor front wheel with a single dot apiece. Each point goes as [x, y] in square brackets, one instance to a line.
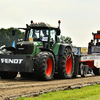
[44, 66]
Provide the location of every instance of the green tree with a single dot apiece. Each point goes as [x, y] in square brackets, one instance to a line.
[64, 39]
[67, 39]
[6, 37]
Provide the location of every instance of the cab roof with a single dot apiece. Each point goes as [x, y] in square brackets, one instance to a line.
[42, 25]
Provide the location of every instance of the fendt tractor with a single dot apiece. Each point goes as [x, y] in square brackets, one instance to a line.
[41, 54]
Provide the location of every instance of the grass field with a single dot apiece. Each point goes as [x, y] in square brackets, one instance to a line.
[85, 93]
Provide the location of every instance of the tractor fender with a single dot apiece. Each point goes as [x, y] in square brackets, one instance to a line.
[45, 49]
[62, 48]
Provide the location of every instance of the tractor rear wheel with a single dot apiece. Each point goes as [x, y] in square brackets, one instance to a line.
[44, 66]
[66, 64]
[8, 75]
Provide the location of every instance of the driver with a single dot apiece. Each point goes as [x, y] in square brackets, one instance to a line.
[98, 44]
[45, 33]
[34, 35]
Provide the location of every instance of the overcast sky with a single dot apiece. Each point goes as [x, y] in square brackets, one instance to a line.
[79, 18]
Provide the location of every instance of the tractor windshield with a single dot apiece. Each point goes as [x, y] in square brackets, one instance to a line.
[37, 34]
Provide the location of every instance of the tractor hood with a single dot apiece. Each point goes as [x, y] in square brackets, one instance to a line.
[27, 47]
[24, 47]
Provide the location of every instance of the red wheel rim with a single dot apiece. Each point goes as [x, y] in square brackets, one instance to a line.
[49, 67]
[68, 64]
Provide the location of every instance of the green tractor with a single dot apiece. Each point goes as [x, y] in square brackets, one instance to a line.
[39, 53]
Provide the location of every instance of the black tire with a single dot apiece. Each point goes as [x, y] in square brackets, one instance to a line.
[76, 66]
[44, 66]
[66, 64]
[96, 71]
[82, 72]
[8, 75]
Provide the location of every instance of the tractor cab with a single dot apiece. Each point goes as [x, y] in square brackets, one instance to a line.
[42, 32]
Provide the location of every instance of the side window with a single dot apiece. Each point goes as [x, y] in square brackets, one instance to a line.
[41, 33]
[52, 37]
[31, 33]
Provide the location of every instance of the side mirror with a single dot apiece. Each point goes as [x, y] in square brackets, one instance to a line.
[13, 32]
[58, 31]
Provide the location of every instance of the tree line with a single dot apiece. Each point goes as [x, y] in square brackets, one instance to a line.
[6, 37]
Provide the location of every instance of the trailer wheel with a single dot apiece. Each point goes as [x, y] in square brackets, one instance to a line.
[44, 66]
[82, 72]
[8, 75]
[66, 64]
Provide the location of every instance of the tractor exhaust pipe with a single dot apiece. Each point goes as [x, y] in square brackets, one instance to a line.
[59, 24]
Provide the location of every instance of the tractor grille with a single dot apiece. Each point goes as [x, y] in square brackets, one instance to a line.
[24, 48]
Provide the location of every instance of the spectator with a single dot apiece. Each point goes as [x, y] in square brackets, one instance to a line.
[98, 44]
[89, 46]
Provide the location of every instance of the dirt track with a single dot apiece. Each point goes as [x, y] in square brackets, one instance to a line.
[10, 89]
